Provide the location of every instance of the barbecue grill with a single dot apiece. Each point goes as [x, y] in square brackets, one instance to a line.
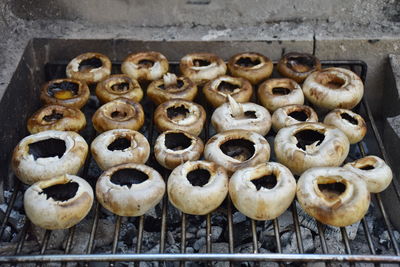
[46, 59]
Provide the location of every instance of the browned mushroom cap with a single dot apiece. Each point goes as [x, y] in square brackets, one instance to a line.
[298, 66]
[130, 189]
[65, 92]
[333, 195]
[145, 66]
[180, 114]
[197, 187]
[310, 144]
[217, 90]
[119, 85]
[48, 154]
[170, 87]
[120, 113]
[349, 122]
[292, 114]
[333, 88]
[202, 67]
[276, 93]
[55, 117]
[236, 149]
[89, 67]
[58, 203]
[175, 147]
[119, 146]
[251, 66]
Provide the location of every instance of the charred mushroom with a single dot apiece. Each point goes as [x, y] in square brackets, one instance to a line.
[298, 66]
[202, 67]
[89, 67]
[119, 85]
[292, 114]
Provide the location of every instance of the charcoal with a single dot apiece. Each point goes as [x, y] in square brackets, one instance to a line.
[56, 236]
[217, 248]
[16, 219]
[238, 217]
[127, 233]
[173, 249]
[289, 241]
[170, 238]
[7, 234]
[199, 243]
[385, 240]
[215, 233]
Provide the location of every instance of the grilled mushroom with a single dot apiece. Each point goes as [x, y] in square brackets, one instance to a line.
[55, 117]
[58, 203]
[145, 66]
[262, 192]
[89, 67]
[48, 154]
[333, 195]
[310, 144]
[237, 149]
[119, 146]
[333, 88]
[202, 67]
[119, 85]
[120, 113]
[298, 66]
[374, 171]
[349, 122]
[197, 187]
[217, 90]
[292, 114]
[276, 93]
[245, 116]
[170, 87]
[130, 189]
[253, 67]
[175, 147]
[179, 114]
[65, 92]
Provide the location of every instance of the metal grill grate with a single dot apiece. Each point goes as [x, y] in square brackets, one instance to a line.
[56, 70]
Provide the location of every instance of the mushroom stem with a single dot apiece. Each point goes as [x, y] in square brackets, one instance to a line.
[235, 107]
[169, 79]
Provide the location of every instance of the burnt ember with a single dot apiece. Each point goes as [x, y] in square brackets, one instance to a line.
[47, 148]
[280, 91]
[177, 112]
[266, 181]
[177, 141]
[349, 118]
[128, 177]
[332, 190]
[55, 89]
[61, 192]
[90, 63]
[240, 149]
[119, 144]
[247, 62]
[298, 115]
[54, 116]
[308, 137]
[198, 177]
[120, 87]
[227, 87]
[201, 63]
[146, 63]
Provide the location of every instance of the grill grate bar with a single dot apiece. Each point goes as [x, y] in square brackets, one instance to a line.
[9, 207]
[208, 231]
[94, 229]
[277, 236]
[297, 228]
[140, 235]
[183, 236]
[254, 234]
[163, 224]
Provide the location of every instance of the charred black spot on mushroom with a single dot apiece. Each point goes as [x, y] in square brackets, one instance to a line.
[348, 118]
[201, 62]
[179, 84]
[90, 63]
[54, 116]
[69, 88]
[250, 114]
[198, 177]
[177, 141]
[308, 137]
[367, 167]
[266, 181]
[146, 63]
[280, 91]
[61, 192]
[118, 115]
[300, 63]
[47, 148]
[240, 149]
[227, 87]
[299, 115]
[119, 144]
[247, 62]
[128, 177]
[177, 112]
[124, 86]
[332, 190]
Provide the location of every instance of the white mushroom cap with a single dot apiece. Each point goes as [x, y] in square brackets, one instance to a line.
[133, 67]
[245, 116]
[333, 195]
[201, 74]
[91, 75]
[331, 151]
[136, 149]
[333, 88]
[203, 197]
[374, 171]
[30, 170]
[349, 122]
[48, 212]
[287, 115]
[265, 203]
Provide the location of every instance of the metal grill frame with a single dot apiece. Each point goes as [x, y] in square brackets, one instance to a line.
[208, 256]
